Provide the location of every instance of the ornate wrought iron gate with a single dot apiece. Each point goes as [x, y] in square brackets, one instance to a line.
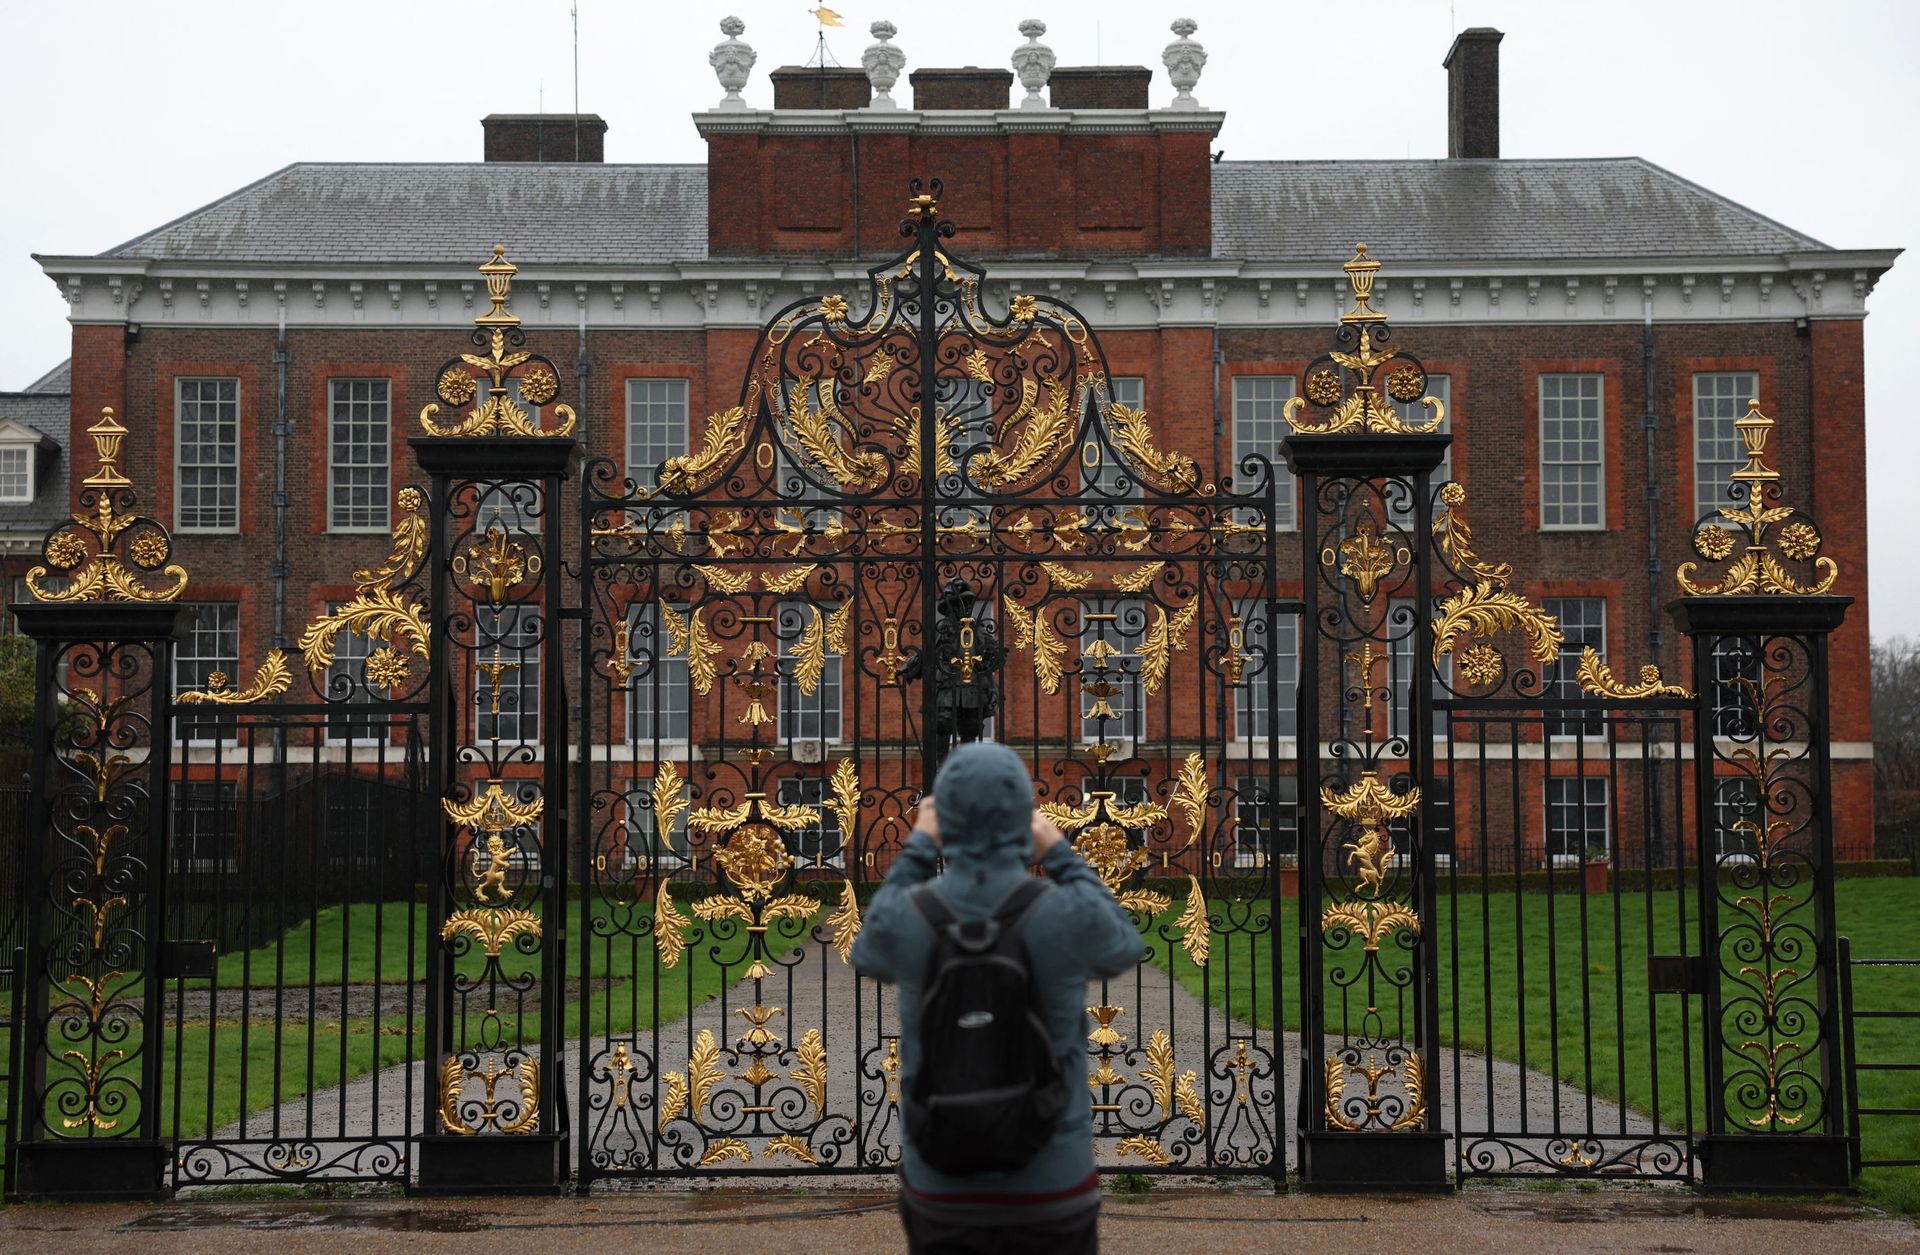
[327, 937]
[922, 518]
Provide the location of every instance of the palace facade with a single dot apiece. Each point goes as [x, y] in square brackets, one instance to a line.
[1593, 327]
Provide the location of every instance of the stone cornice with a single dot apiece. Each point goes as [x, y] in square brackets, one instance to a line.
[731, 292]
[956, 121]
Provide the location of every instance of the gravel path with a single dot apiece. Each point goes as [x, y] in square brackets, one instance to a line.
[1230, 1062]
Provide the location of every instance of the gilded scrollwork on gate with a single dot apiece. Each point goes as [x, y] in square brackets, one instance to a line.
[514, 377]
[1140, 1096]
[1768, 526]
[105, 551]
[1483, 605]
[382, 608]
[1345, 386]
[888, 441]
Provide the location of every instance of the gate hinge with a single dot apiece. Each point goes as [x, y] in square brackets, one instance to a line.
[188, 960]
[1677, 973]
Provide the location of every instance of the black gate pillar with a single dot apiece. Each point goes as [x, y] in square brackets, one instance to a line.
[496, 979]
[1764, 818]
[103, 616]
[1369, 979]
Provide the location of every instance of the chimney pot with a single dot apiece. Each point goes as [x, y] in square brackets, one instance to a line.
[1473, 93]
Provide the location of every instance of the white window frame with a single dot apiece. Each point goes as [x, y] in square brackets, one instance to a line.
[1598, 462]
[1247, 441]
[509, 628]
[1563, 678]
[1585, 802]
[1729, 807]
[813, 791]
[1734, 713]
[351, 650]
[1440, 388]
[666, 684]
[186, 655]
[794, 707]
[663, 414]
[1402, 666]
[1130, 703]
[1724, 386]
[384, 493]
[1282, 652]
[25, 452]
[1102, 475]
[180, 465]
[1254, 845]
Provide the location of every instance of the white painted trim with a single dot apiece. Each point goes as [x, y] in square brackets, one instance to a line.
[1113, 295]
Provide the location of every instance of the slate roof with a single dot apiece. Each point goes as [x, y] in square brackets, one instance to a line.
[1480, 210]
[59, 379]
[553, 214]
[1281, 211]
[46, 412]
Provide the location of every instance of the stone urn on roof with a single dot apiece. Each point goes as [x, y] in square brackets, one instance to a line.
[883, 63]
[732, 60]
[1184, 59]
[1033, 62]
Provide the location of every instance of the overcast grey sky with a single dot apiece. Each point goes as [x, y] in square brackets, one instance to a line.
[125, 115]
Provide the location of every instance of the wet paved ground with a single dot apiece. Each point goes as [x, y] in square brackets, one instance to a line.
[822, 994]
[1165, 1222]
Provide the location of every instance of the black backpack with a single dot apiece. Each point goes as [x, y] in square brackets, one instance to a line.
[988, 1091]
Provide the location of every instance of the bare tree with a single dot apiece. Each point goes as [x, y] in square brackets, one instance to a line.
[1896, 719]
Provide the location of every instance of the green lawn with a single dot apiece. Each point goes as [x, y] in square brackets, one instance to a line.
[232, 1064]
[1519, 972]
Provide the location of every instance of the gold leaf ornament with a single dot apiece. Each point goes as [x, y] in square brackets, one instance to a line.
[272, 678]
[1145, 1147]
[725, 440]
[1196, 930]
[1190, 795]
[1169, 472]
[845, 922]
[669, 927]
[1597, 678]
[1483, 609]
[811, 1073]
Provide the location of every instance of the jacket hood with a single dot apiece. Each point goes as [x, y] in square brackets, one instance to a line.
[985, 798]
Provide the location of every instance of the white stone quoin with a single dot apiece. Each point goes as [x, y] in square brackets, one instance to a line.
[883, 63]
[1033, 62]
[732, 60]
[1184, 60]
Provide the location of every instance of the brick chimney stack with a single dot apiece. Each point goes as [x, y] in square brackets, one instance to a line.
[1473, 93]
[544, 137]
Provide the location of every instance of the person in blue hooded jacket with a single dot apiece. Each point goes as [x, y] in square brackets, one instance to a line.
[981, 817]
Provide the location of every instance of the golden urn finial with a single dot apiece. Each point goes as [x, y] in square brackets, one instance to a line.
[1360, 272]
[499, 274]
[1772, 531]
[107, 435]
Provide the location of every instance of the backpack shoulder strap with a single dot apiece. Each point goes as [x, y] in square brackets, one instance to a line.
[933, 909]
[1019, 902]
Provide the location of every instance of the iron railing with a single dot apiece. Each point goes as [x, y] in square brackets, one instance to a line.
[1852, 1014]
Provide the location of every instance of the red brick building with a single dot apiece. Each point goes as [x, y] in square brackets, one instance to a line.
[1594, 326]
